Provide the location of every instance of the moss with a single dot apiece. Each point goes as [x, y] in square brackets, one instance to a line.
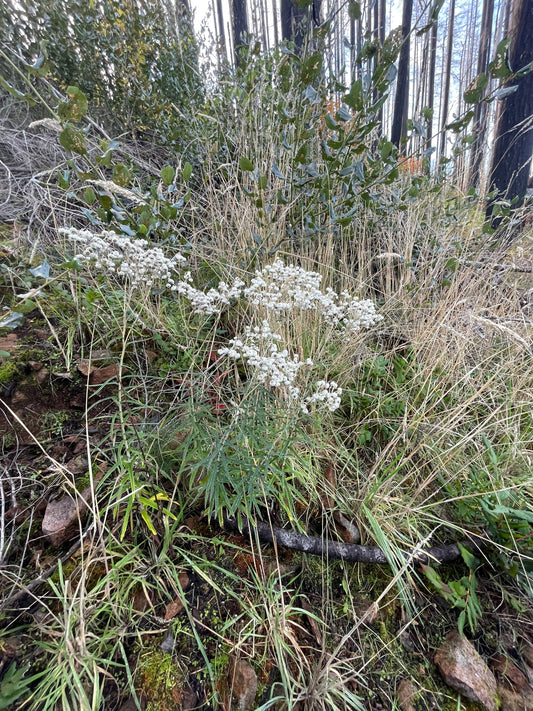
[9, 373]
[159, 680]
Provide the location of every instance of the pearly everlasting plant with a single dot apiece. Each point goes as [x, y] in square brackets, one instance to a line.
[280, 288]
[134, 260]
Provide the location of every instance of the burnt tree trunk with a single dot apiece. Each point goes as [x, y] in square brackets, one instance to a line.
[401, 99]
[240, 28]
[513, 145]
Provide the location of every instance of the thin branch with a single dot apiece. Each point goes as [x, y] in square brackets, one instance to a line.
[350, 551]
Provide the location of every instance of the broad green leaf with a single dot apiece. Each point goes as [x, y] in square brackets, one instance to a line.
[311, 67]
[354, 10]
[167, 174]
[246, 164]
[73, 139]
[89, 196]
[121, 175]
[186, 172]
[475, 91]
[75, 108]
[460, 123]
[5, 354]
[354, 98]
[499, 67]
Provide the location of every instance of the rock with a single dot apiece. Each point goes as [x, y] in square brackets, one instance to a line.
[78, 465]
[174, 608]
[515, 678]
[62, 516]
[41, 375]
[514, 700]
[102, 375]
[189, 699]
[406, 694]
[465, 671]
[243, 684]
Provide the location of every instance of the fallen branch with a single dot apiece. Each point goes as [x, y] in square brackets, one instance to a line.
[355, 553]
[19, 599]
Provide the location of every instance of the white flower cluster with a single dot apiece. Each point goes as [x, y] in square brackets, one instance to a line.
[212, 301]
[273, 366]
[135, 260]
[326, 392]
[279, 288]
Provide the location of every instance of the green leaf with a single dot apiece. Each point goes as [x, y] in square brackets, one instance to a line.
[460, 123]
[499, 67]
[354, 98]
[75, 108]
[16, 93]
[354, 10]
[262, 182]
[246, 164]
[475, 91]
[73, 139]
[89, 196]
[25, 307]
[186, 172]
[121, 175]
[525, 70]
[167, 174]
[5, 354]
[311, 67]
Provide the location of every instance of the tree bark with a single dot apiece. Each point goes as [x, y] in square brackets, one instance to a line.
[480, 111]
[240, 28]
[447, 77]
[401, 98]
[513, 145]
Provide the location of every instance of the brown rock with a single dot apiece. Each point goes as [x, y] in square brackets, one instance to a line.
[8, 343]
[243, 684]
[62, 516]
[515, 678]
[174, 608]
[514, 700]
[101, 375]
[465, 671]
[19, 398]
[41, 375]
[407, 694]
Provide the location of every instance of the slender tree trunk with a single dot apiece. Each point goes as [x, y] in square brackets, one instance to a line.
[221, 32]
[513, 144]
[401, 99]
[240, 28]
[431, 90]
[447, 78]
[480, 111]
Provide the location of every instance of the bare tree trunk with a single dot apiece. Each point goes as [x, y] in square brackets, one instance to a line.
[431, 90]
[240, 28]
[401, 99]
[480, 111]
[220, 31]
[447, 78]
[513, 145]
